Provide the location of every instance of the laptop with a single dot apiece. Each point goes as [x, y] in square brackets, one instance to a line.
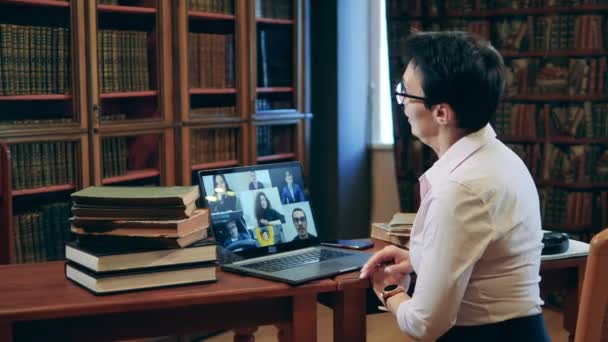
[263, 220]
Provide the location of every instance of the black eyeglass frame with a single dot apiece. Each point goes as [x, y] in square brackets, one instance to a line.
[404, 94]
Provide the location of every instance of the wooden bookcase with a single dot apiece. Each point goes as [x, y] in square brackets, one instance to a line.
[117, 105]
[554, 111]
[217, 102]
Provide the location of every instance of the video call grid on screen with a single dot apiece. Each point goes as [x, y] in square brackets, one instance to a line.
[236, 223]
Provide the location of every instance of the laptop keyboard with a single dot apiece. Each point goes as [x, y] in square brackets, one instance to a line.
[290, 261]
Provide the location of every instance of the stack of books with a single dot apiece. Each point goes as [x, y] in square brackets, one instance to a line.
[130, 238]
[397, 231]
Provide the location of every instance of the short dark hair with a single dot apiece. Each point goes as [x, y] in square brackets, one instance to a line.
[297, 209]
[460, 69]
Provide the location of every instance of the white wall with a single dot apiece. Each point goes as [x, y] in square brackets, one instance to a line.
[385, 198]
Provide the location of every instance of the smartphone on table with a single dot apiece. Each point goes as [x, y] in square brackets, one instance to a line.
[350, 244]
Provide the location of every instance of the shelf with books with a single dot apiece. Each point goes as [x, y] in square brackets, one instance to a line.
[277, 140]
[588, 185]
[274, 21]
[207, 146]
[44, 189]
[501, 12]
[274, 9]
[577, 141]
[557, 53]
[212, 91]
[44, 171]
[130, 62]
[556, 97]
[131, 175]
[125, 156]
[211, 6]
[215, 165]
[276, 157]
[275, 89]
[107, 8]
[554, 111]
[193, 14]
[39, 164]
[40, 3]
[42, 97]
[117, 95]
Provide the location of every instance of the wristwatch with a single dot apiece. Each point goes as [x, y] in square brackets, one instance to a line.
[390, 290]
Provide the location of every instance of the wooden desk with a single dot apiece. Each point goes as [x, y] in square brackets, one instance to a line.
[38, 303]
[350, 309]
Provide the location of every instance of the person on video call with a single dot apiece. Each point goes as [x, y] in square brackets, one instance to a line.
[234, 234]
[264, 212]
[476, 241]
[254, 183]
[298, 217]
[223, 198]
[292, 192]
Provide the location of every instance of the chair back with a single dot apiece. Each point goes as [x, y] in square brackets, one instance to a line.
[592, 322]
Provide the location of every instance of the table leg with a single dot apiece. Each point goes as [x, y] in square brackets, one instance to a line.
[245, 334]
[6, 331]
[349, 315]
[283, 332]
[304, 318]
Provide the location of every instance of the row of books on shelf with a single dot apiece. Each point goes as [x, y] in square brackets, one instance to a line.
[40, 234]
[115, 152]
[211, 60]
[121, 247]
[575, 120]
[42, 164]
[281, 9]
[531, 33]
[518, 119]
[580, 121]
[34, 60]
[213, 145]
[575, 209]
[215, 6]
[274, 140]
[556, 75]
[275, 59]
[213, 110]
[438, 7]
[123, 61]
[576, 163]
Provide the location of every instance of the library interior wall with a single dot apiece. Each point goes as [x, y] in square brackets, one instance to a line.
[385, 199]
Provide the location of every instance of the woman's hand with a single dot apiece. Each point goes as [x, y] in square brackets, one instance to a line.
[264, 222]
[394, 262]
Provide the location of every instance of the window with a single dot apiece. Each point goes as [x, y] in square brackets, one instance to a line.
[380, 88]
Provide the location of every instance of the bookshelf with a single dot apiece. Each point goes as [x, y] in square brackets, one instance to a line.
[127, 92]
[218, 102]
[554, 112]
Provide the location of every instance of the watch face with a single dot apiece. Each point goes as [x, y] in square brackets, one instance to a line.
[389, 288]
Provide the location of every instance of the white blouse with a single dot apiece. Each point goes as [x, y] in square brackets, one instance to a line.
[476, 241]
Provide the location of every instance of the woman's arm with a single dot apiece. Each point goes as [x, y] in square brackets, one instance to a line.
[457, 231]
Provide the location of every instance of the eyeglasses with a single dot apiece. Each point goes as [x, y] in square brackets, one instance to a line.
[300, 219]
[401, 93]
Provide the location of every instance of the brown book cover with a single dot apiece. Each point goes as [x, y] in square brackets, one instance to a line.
[135, 212]
[96, 240]
[113, 282]
[136, 196]
[170, 228]
[104, 258]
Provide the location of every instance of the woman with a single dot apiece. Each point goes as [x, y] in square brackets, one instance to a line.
[476, 241]
[223, 198]
[264, 212]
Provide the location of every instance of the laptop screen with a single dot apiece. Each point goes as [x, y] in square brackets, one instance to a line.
[262, 207]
